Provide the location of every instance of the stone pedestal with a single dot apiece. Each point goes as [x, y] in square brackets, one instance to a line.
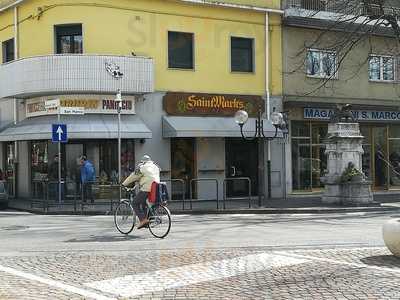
[391, 236]
[344, 146]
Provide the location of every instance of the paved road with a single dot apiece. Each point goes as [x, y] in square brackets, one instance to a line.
[336, 256]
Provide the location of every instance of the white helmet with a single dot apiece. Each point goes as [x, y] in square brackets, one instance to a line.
[145, 158]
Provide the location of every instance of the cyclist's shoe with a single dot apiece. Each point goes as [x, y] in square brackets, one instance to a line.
[143, 223]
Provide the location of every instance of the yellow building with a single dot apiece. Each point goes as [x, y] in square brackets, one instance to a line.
[183, 67]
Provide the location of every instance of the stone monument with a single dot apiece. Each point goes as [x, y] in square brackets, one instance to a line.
[345, 183]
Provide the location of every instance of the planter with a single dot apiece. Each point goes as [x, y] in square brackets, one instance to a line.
[391, 236]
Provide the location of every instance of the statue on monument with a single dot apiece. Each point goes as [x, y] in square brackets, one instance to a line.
[342, 114]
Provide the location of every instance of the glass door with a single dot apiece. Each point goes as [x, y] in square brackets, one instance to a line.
[394, 156]
[318, 157]
[183, 163]
[380, 167]
[301, 156]
[241, 158]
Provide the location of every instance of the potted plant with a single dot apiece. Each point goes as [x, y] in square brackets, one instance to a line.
[351, 174]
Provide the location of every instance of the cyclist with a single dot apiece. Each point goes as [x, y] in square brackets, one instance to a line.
[146, 173]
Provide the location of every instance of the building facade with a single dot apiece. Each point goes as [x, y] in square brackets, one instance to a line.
[183, 67]
[367, 78]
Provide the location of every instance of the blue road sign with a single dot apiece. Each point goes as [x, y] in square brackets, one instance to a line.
[59, 133]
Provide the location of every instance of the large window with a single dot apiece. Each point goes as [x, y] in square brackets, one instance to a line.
[242, 54]
[69, 39]
[321, 63]
[108, 164]
[180, 50]
[381, 68]
[308, 158]
[8, 51]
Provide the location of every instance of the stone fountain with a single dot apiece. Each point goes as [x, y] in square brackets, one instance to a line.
[345, 183]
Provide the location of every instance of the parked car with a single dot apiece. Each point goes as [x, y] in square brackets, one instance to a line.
[3, 194]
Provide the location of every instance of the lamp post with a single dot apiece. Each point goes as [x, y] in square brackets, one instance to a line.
[278, 120]
[119, 107]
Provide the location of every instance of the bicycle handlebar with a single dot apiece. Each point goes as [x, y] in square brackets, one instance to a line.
[129, 189]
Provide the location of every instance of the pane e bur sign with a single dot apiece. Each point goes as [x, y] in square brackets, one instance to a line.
[362, 115]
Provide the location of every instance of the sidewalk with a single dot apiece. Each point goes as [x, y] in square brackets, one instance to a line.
[272, 206]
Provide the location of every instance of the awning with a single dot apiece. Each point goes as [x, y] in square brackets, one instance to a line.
[78, 127]
[210, 127]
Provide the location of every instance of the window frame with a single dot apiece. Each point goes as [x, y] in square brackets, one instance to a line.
[5, 44]
[57, 41]
[381, 57]
[319, 74]
[253, 62]
[193, 67]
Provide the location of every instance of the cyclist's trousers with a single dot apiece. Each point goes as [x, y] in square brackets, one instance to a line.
[139, 204]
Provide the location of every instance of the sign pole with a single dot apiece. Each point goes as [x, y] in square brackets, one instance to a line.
[119, 107]
[59, 159]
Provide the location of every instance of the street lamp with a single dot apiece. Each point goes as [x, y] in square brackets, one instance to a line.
[279, 122]
[118, 99]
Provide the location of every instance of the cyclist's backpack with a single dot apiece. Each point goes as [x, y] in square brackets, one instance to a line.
[162, 193]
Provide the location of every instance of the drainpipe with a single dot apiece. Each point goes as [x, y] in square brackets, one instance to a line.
[268, 100]
[16, 56]
[16, 33]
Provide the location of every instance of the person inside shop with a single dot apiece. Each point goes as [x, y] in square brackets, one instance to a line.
[145, 173]
[394, 159]
[77, 177]
[53, 178]
[380, 166]
[88, 177]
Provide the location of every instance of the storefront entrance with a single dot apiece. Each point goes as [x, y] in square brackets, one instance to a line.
[241, 161]
[183, 163]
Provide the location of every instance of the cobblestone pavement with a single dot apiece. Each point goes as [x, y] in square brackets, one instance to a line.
[232, 273]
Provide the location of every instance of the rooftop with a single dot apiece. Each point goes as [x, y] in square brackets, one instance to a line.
[248, 4]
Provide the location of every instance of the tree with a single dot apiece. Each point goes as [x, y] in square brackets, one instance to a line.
[343, 26]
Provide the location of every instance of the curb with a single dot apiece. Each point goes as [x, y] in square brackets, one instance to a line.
[302, 210]
[306, 210]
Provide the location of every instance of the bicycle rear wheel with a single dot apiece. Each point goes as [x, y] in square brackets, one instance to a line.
[124, 217]
[159, 221]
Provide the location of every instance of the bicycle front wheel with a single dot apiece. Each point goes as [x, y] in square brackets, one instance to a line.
[124, 217]
[160, 221]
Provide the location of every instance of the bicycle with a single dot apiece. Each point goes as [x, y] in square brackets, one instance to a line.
[158, 214]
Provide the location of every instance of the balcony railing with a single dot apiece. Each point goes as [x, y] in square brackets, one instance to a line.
[347, 7]
[66, 74]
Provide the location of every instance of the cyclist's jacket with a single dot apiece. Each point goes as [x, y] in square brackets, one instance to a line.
[145, 173]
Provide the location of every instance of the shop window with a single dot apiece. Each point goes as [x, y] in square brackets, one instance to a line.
[242, 50]
[394, 156]
[8, 51]
[108, 164]
[8, 173]
[42, 161]
[309, 161]
[321, 64]
[381, 68]
[180, 50]
[367, 147]
[69, 39]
